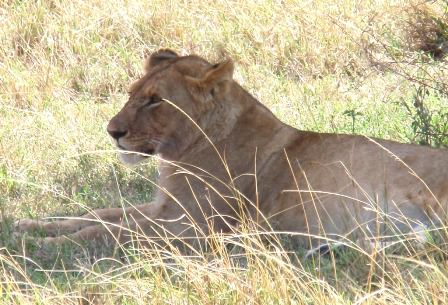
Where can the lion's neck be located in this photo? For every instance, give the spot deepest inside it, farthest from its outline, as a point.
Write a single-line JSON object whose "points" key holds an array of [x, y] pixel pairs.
{"points": [[240, 125], [245, 135]]}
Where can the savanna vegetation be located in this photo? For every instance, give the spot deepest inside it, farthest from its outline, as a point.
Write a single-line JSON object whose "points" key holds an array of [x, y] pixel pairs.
{"points": [[377, 68]]}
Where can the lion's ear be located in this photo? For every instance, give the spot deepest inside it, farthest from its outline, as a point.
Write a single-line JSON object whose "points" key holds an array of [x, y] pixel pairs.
{"points": [[157, 57], [219, 77]]}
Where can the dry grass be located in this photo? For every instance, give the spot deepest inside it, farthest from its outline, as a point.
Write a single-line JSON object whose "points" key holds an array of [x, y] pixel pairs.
{"points": [[337, 66]]}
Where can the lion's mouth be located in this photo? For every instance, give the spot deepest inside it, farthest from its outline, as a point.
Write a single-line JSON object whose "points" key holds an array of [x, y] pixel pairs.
{"points": [[143, 152], [149, 151]]}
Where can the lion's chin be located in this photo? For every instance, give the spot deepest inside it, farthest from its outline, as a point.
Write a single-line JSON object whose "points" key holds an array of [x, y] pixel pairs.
{"points": [[130, 158]]}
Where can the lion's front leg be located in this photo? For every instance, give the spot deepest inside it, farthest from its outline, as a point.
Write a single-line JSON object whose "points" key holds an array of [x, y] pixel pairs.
{"points": [[74, 224], [142, 230]]}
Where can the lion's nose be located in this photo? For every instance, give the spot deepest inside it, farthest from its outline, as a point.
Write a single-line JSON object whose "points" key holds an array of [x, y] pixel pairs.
{"points": [[116, 132]]}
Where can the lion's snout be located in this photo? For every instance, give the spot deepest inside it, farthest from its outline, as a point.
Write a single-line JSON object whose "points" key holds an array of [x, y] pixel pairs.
{"points": [[115, 129]]}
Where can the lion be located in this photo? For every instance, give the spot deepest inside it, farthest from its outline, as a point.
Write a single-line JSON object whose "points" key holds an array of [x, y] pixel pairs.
{"points": [[224, 158]]}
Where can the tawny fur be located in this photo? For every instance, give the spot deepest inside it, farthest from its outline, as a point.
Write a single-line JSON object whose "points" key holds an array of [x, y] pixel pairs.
{"points": [[284, 179]]}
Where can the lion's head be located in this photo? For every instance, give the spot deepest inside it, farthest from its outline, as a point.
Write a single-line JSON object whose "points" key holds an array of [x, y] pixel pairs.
{"points": [[173, 91]]}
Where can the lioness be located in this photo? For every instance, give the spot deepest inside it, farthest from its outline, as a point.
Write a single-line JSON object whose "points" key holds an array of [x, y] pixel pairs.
{"points": [[225, 155]]}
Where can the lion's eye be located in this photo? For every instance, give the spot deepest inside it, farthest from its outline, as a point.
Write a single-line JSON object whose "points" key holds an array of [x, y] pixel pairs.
{"points": [[152, 101]]}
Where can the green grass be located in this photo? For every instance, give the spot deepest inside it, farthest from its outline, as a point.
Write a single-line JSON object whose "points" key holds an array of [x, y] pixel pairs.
{"points": [[342, 66]]}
